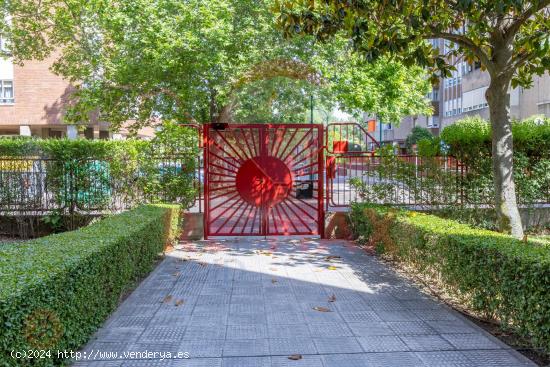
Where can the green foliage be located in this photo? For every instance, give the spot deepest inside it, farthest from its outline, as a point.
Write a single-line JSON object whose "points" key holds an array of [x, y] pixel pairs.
{"points": [[88, 174], [385, 87], [57, 290], [199, 61], [429, 147], [470, 141], [469, 138], [416, 135], [401, 29], [495, 274], [417, 180], [65, 149]]}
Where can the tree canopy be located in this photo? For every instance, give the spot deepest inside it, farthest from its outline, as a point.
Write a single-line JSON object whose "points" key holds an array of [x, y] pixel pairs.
{"points": [[509, 38], [199, 61]]}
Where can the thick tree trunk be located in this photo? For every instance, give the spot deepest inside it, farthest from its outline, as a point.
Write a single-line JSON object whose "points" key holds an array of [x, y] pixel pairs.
{"points": [[509, 219]]}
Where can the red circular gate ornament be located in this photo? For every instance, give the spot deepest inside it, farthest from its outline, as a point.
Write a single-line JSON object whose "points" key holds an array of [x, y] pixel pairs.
{"points": [[264, 181]]}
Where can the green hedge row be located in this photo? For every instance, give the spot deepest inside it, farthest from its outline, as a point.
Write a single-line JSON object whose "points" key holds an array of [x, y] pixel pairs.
{"points": [[470, 138], [71, 149], [499, 276], [57, 290]]}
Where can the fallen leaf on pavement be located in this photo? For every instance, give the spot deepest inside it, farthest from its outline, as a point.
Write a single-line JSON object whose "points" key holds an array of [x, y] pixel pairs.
{"points": [[167, 299], [332, 268], [179, 302], [321, 309], [295, 357], [202, 263], [332, 298], [274, 280], [177, 273], [332, 257]]}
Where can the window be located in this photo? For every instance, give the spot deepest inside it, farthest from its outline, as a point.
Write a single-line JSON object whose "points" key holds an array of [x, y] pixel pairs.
{"points": [[6, 92], [3, 45]]}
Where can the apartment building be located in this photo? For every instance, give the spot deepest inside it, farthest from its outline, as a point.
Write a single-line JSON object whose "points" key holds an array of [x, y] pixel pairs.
{"points": [[33, 101], [463, 94]]}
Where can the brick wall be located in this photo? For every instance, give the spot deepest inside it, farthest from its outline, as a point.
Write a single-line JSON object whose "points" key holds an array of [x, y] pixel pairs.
{"points": [[39, 97]]}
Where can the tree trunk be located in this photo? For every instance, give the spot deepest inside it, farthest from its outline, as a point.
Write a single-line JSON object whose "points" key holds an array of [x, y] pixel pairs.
{"points": [[509, 219]]}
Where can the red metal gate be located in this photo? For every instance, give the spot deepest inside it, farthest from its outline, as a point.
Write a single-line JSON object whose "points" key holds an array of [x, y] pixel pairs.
{"points": [[263, 180]]}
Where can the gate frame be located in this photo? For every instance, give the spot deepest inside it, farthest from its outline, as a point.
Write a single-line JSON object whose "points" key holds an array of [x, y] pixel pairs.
{"points": [[320, 176]]}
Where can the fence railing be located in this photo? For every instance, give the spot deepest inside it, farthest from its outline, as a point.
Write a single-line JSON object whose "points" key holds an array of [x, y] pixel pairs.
{"points": [[411, 180], [34, 185]]}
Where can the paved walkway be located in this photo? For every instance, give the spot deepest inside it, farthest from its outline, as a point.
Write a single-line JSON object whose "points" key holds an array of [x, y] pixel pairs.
{"points": [[257, 302]]}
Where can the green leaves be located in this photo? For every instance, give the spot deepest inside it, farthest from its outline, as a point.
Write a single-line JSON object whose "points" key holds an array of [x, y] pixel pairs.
{"points": [[57, 290], [142, 60]]}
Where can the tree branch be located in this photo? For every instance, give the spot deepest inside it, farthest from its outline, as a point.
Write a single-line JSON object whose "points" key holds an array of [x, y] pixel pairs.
{"points": [[465, 42], [524, 17]]}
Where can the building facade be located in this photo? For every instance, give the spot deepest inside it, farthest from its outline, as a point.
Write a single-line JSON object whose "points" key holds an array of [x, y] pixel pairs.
{"points": [[33, 101], [463, 94]]}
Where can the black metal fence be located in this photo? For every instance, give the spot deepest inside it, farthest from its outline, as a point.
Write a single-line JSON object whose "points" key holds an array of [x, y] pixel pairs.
{"points": [[34, 186], [415, 181]]}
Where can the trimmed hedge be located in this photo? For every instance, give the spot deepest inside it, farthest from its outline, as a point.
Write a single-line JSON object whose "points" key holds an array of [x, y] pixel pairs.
{"points": [[57, 290], [496, 274], [470, 138]]}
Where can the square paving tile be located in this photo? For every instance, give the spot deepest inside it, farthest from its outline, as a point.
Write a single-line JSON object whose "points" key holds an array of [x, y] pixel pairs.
{"points": [[329, 329], [246, 362], [248, 319], [289, 346], [370, 328], [382, 343], [246, 331], [397, 315], [201, 362], [285, 318], [205, 331], [411, 327], [445, 359], [245, 348], [360, 316], [471, 341], [306, 361], [130, 321], [198, 348], [288, 331], [97, 364], [397, 359], [438, 314], [162, 334], [456, 326], [426, 342], [147, 363], [337, 345], [116, 334], [347, 360], [496, 358]]}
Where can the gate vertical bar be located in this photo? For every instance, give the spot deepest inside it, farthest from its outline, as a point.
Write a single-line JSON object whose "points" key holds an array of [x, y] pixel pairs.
{"points": [[264, 212], [320, 180], [206, 159]]}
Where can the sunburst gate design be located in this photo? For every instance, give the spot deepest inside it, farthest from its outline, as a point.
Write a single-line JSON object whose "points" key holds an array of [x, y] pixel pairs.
{"points": [[264, 180]]}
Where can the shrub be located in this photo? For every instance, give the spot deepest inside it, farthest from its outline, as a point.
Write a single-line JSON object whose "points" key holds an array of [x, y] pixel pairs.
{"points": [[57, 290], [470, 138], [417, 134], [497, 275], [470, 141], [95, 174]]}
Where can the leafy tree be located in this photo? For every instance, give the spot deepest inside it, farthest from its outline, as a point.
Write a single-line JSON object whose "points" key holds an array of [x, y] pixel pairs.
{"points": [[195, 60], [508, 37], [417, 134]]}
